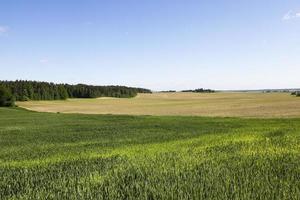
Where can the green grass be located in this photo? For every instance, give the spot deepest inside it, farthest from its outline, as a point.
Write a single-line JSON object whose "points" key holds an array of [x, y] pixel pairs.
{"points": [[76, 156]]}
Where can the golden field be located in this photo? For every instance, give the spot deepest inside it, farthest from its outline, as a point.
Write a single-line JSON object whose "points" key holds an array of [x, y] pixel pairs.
{"points": [[221, 104]]}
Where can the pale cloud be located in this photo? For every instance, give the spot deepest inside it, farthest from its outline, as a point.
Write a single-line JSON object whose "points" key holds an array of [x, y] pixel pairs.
{"points": [[44, 60], [264, 43], [291, 15], [3, 29], [88, 23]]}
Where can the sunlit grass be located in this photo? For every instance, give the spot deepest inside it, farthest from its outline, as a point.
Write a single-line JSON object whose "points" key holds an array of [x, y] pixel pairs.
{"points": [[72, 156]]}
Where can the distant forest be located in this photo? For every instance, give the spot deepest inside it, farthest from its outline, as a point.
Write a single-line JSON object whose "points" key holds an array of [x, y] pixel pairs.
{"points": [[34, 90], [296, 93], [200, 90]]}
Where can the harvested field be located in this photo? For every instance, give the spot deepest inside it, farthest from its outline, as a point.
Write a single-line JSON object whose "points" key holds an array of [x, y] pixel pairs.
{"points": [[216, 104]]}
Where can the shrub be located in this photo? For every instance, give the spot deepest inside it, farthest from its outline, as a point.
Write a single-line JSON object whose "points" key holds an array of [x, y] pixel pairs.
{"points": [[6, 98]]}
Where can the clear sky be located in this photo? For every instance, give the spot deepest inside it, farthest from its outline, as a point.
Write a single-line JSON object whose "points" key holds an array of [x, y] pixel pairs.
{"points": [[157, 44]]}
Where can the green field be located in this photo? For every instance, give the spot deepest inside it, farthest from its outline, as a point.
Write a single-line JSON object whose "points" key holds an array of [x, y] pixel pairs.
{"points": [[77, 156]]}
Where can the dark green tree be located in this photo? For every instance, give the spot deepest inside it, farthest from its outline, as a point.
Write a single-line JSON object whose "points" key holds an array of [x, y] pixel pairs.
{"points": [[33, 90], [6, 98], [62, 92]]}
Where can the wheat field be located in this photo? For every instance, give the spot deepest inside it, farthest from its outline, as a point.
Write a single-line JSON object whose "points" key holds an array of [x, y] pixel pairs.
{"points": [[266, 105], [80, 156]]}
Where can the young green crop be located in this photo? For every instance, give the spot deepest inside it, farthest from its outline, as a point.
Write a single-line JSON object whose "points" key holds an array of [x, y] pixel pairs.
{"points": [[73, 156]]}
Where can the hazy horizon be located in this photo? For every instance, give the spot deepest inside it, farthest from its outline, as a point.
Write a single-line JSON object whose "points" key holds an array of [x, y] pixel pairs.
{"points": [[160, 45]]}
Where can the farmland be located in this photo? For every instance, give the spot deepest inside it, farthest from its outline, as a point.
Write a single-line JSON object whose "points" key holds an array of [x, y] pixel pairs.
{"points": [[266, 105], [149, 100], [80, 156]]}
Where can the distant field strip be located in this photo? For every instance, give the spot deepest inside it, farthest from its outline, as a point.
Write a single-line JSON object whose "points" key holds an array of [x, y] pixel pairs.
{"points": [[217, 104]]}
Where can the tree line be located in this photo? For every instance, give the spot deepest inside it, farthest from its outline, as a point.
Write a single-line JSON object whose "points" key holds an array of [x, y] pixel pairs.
{"points": [[23, 90], [296, 93], [200, 90]]}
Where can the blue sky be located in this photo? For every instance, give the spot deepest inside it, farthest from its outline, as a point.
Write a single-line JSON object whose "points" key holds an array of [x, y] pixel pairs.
{"points": [[157, 44]]}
